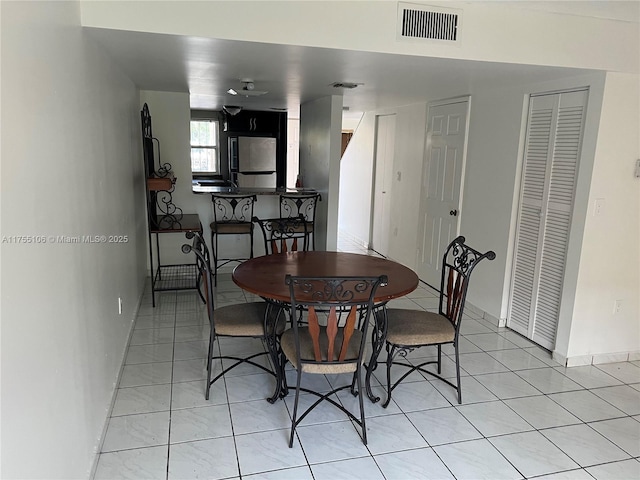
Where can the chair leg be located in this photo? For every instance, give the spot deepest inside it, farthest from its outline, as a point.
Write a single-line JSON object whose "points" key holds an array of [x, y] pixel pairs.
{"points": [[389, 362], [272, 346], [251, 243], [285, 387], [362, 419], [214, 251], [295, 408], [455, 347], [439, 359], [209, 361], [354, 392]]}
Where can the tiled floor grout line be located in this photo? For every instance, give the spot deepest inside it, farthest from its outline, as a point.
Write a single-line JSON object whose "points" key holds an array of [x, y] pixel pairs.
{"points": [[173, 363]]}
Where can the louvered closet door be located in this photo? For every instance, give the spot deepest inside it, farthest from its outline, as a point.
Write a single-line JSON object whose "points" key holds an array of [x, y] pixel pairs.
{"points": [[553, 142]]}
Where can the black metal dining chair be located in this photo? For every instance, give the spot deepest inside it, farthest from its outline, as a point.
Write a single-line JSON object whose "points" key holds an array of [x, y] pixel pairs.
{"points": [[292, 205], [408, 329], [282, 235], [232, 214], [243, 320], [333, 344]]}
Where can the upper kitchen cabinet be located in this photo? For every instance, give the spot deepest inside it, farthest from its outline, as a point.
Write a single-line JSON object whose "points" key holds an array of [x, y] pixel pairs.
{"points": [[249, 122]]}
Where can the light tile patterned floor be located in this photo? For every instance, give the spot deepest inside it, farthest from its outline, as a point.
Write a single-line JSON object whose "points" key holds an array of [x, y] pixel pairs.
{"points": [[523, 415]]}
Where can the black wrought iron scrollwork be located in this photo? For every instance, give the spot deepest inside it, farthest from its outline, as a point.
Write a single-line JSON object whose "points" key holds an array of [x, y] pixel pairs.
{"points": [[464, 258], [171, 215], [162, 212], [228, 208], [330, 290], [164, 170], [378, 335]]}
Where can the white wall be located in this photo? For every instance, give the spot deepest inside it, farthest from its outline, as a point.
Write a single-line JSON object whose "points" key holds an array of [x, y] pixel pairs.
{"points": [[406, 181], [356, 177], [71, 165], [610, 258], [490, 31], [490, 196], [320, 145]]}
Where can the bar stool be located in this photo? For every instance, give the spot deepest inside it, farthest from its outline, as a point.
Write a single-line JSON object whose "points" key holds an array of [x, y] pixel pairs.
{"points": [[232, 214], [292, 205]]}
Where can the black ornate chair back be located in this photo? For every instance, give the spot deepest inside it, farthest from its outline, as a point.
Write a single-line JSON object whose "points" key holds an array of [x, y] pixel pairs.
{"points": [[284, 234], [458, 263], [233, 208], [232, 215], [295, 204]]}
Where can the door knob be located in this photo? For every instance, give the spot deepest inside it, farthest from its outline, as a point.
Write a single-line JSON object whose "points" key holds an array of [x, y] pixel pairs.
{"points": [[453, 213]]}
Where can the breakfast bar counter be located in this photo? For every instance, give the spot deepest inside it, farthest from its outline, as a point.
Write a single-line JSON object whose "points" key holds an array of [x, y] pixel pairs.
{"points": [[248, 190]]}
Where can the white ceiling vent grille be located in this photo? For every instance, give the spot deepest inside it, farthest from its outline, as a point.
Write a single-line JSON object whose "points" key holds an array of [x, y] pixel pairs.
{"points": [[424, 22]]}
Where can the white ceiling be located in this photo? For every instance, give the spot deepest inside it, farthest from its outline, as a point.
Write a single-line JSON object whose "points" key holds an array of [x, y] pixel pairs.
{"points": [[292, 75]]}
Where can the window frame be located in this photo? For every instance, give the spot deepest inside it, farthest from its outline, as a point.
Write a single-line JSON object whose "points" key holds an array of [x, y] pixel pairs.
{"points": [[215, 148]]}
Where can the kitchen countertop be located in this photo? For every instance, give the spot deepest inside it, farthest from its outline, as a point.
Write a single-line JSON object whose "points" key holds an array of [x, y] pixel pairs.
{"points": [[249, 190]]}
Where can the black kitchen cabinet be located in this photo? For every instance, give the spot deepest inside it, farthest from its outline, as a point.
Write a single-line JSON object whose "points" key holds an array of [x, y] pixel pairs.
{"points": [[255, 123], [249, 123]]}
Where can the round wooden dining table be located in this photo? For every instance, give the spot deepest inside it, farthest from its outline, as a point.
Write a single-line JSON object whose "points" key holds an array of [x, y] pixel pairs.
{"points": [[265, 276]]}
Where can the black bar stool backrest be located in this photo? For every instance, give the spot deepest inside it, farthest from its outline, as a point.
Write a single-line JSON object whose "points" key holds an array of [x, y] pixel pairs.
{"points": [[231, 208]]}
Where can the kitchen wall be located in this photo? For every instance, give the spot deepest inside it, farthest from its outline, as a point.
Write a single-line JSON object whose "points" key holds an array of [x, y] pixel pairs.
{"points": [[71, 166], [170, 117]]}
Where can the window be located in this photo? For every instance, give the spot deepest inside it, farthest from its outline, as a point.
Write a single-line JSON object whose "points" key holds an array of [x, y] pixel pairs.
{"points": [[204, 147]]}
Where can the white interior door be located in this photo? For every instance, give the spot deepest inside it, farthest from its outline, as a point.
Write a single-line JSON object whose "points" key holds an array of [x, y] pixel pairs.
{"points": [[552, 151], [381, 221], [441, 179]]}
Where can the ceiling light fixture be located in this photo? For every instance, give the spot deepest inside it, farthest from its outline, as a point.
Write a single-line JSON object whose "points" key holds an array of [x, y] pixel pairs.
{"points": [[247, 90], [231, 109], [348, 85]]}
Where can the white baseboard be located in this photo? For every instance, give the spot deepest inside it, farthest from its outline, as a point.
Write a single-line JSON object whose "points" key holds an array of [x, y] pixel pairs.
{"points": [[353, 238], [499, 322], [610, 358], [575, 361], [634, 356], [598, 359]]}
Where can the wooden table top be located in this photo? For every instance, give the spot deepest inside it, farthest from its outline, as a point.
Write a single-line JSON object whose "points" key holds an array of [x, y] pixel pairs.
{"points": [[264, 276]]}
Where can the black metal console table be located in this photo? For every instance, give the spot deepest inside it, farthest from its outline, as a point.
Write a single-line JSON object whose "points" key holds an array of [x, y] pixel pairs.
{"points": [[163, 216], [173, 277]]}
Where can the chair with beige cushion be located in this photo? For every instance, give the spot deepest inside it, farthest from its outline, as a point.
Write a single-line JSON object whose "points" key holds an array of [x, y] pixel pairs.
{"points": [[244, 320], [408, 330], [332, 341], [232, 214]]}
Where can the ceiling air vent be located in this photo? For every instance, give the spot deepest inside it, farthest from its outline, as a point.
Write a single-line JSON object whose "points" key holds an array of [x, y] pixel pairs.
{"points": [[424, 22], [348, 85]]}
